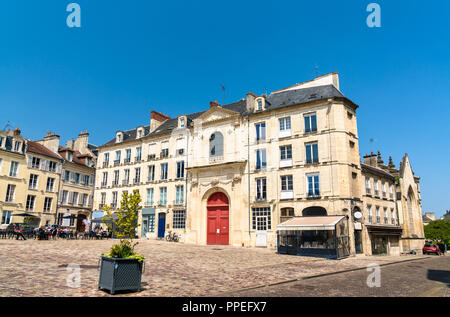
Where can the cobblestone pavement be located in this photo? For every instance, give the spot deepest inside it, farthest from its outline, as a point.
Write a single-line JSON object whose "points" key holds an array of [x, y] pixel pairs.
{"points": [[421, 278], [39, 268]]}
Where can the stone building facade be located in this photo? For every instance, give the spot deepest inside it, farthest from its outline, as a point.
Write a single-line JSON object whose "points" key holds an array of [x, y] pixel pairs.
{"points": [[232, 173], [13, 175], [35, 179]]}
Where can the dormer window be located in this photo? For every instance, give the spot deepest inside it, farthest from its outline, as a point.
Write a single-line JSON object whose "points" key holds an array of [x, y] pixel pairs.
{"points": [[260, 104], [182, 122], [69, 156], [140, 132], [119, 137]]}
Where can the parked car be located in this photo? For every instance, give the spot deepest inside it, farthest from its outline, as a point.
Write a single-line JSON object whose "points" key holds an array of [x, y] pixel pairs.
{"points": [[431, 248]]}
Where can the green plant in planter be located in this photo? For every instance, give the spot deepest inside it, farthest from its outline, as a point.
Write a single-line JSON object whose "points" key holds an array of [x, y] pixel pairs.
{"points": [[124, 227]]}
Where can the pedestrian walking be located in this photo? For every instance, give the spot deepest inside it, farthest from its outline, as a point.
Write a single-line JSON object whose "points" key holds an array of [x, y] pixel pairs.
{"points": [[441, 248]]}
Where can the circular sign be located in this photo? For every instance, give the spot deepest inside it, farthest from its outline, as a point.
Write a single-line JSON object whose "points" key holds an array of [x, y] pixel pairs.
{"points": [[357, 215]]}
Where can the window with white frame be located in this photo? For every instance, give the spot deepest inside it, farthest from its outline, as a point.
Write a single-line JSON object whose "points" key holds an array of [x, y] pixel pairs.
{"points": [[35, 162], [29, 206], [262, 212], [10, 190], [137, 174], [179, 195], [116, 178], [180, 169], [259, 105], [105, 179], [102, 199], [52, 166], [138, 154], [261, 162], [377, 212], [69, 156], [179, 219], [285, 152], [393, 217], [162, 196], [383, 187], [285, 127], [376, 187], [126, 177], [76, 178], [287, 183], [261, 188], [64, 196], [368, 187], [313, 185], [47, 204], [66, 176], [13, 169], [164, 171], [114, 199], [6, 217], [117, 160], [151, 173], [150, 196], [33, 184], [260, 131], [128, 156], [391, 191], [312, 153], [50, 184], [105, 159], [84, 199], [369, 214], [17, 146], [310, 123]]}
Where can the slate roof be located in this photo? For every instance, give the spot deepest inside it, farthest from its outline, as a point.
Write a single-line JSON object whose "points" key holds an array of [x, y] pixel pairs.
{"points": [[273, 101], [376, 171]]}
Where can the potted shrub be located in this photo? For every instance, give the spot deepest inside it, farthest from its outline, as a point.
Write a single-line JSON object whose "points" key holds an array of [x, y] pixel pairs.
{"points": [[121, 268]]}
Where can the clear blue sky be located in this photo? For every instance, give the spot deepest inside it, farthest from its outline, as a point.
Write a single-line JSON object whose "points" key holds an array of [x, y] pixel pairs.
{"points": [[130, 57]]}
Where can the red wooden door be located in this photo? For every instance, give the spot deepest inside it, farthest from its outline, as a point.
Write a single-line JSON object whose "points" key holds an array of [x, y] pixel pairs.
{"points": [[218, 219]]}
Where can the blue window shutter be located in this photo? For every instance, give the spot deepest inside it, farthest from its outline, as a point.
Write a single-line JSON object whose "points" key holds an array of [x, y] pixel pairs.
{"points": [[313, 123], [307, 125], [315, 153], [316, 185], [308, 153], [257, 132], [310, 185], [258, 159]]}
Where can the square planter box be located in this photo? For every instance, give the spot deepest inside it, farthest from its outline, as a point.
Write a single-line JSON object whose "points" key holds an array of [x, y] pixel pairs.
{"points": [[120, 274]]}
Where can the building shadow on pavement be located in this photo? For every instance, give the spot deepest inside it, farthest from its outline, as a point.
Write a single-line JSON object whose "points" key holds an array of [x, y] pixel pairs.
{"points": [[439, 276]]}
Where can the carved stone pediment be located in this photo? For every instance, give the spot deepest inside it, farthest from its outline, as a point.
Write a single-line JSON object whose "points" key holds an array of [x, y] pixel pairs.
{"points": [[215, 114]]}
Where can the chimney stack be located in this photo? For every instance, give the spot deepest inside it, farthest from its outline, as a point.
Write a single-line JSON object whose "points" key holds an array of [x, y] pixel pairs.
{"points": [[156, 119]]}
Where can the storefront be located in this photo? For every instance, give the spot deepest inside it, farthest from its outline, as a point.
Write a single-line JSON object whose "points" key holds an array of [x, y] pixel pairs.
{"points": [[148, 222], [323, 236], [384, 240]]}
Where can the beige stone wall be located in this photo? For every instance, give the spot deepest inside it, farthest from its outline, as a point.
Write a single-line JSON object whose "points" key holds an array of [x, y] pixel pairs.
{"points": [[20, 181], [41, 193]]}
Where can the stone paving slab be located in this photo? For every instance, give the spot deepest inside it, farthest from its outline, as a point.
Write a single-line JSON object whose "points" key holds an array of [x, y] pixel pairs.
{"points": [[39, 268]]}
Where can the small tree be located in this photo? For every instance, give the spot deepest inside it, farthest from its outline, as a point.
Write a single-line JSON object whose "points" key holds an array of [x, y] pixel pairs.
{"points": [[438, 230], [124, 225]]}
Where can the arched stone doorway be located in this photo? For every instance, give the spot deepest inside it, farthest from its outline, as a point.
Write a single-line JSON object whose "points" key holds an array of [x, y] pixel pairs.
{"points": [[81, 227], [217, 219], [314, 211]]}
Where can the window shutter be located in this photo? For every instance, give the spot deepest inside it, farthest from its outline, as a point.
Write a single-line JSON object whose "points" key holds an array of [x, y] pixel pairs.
{"points": [[70, 196], [72, 176], [59, 168], [30, 160]]}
